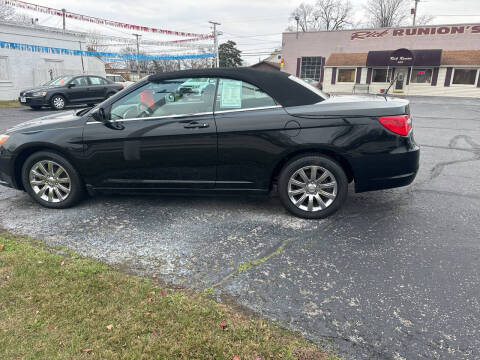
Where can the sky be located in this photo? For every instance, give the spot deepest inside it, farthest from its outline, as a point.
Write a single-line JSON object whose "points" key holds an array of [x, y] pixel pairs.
{"points": [[255, 25]]}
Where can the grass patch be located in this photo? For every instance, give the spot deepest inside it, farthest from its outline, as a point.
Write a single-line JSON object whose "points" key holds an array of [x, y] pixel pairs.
{"points": [[9, 104], [66, 306]]}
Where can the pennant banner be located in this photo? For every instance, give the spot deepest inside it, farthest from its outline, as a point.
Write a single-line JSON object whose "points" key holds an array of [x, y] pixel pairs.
{"points": [[95, 20], [174, 43], [105, 55]]}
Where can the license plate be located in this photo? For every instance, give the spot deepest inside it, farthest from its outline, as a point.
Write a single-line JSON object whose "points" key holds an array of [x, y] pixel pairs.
{"points": [[23, 99]]}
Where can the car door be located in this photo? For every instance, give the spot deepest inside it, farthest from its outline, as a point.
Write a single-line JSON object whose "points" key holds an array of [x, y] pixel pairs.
{"points": [[252, 133], [78, 90], [98, 88], [161, 136]]}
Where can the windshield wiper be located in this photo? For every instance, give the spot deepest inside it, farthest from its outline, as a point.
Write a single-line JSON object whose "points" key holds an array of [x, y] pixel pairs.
{"points": [[83, 111]]}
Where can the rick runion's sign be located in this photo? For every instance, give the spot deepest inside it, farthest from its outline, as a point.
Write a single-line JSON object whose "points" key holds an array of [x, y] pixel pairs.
{"points": [[417, 31]]}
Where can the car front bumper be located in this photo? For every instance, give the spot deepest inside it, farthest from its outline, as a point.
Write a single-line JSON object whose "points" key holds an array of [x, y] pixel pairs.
{"points": [[6, 170], [33, 101]]}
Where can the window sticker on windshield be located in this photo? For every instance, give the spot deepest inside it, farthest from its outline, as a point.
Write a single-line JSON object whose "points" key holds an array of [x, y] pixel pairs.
{"points": [[231, 94]]}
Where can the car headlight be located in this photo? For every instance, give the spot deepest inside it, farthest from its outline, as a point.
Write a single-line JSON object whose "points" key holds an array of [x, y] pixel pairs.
{"points": [[3, 138], [39, 93]]}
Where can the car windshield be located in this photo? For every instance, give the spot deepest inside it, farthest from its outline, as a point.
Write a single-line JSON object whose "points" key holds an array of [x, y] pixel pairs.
{"points": [[46, 83], [61, 80], [309, 87]]}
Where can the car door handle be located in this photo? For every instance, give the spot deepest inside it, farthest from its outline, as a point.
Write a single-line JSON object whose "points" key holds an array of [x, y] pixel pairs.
{"points": [[195, 125]]}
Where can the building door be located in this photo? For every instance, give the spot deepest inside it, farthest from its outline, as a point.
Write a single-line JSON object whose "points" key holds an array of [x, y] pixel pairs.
{"points": [[401, 80]]}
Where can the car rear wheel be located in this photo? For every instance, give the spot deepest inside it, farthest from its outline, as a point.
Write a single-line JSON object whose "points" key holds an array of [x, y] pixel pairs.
{"points": [[51, 180], [58, 102], [312, 186]]}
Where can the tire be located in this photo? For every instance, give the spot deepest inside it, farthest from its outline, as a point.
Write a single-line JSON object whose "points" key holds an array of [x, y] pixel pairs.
{"points": [[58, 102], [36, 107], [331, 186], [35, 184]]}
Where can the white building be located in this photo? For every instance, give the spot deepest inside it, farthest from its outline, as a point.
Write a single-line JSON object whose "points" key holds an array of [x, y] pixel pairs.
{"points": [[22, 68]]}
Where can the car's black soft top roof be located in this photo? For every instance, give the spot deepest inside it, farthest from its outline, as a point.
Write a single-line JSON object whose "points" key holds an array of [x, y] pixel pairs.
{"points": [[275, 83]]}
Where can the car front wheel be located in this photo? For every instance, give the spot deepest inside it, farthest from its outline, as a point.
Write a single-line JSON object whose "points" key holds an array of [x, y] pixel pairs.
{"points": [[312, 186], [58, 102], [51, 180]]}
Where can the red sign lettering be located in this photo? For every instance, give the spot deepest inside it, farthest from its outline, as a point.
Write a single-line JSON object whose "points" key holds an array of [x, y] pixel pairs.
{"points": [[416, 31]]}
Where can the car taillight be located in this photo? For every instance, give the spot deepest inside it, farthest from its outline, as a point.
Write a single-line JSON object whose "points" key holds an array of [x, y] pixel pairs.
{"points": [[400, 124], [123, 86]]}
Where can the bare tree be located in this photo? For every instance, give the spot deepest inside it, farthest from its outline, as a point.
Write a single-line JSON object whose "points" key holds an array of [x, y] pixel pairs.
{"points": [[96, 42], [7, 13], [161, 66], [305, 15], [424, 20], [334, 14], [387, 13], [324, 15]]}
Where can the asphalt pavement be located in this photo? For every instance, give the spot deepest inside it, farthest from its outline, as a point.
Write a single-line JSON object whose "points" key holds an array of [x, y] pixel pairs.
{"points": [[394, 275]]}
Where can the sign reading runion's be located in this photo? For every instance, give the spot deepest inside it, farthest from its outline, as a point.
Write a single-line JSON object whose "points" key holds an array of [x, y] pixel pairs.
{"points": [[416, 31]]}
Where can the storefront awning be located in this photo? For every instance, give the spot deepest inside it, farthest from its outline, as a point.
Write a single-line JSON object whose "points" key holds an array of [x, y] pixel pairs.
{"points": [[404, 57]]}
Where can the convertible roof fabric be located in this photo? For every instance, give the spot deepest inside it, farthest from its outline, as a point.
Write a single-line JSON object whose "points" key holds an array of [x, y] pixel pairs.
{"points": [[275, 83]]}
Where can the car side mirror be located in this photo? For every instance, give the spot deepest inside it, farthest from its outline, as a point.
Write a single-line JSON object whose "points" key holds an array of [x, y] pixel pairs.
{"points": [[71, 85], [99, 115]]}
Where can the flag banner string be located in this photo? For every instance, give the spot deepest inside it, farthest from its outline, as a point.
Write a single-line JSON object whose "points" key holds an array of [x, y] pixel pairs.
{"points": [[175, 43], [91, 19], [111, 56]]}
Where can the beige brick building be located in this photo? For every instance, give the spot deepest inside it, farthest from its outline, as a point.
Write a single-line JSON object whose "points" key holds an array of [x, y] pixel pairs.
{"points": [[441, 60]]}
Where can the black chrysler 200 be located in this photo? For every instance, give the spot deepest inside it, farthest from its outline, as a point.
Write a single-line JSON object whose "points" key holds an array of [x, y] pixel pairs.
{"points": [[69, 90], [216, 131]]}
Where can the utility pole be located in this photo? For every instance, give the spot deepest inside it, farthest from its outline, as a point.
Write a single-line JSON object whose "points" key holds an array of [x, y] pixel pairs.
{"points": [[297, 19], [63, 15], [415, 12], [137, 36], [215, 42]]}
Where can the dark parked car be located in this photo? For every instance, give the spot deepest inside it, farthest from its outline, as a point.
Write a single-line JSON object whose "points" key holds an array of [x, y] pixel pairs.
{"points": [[217, 131], [65, 90]]}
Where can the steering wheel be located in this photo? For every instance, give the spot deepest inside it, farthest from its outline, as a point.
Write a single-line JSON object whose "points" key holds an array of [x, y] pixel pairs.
{"points": [[143, 110]]}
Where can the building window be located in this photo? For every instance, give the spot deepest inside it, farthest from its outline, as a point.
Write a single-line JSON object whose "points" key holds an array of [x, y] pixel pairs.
{"points": [[4, 73], [381, 76], [346, 75], [421, 76], [464, 77], [312, 67]]}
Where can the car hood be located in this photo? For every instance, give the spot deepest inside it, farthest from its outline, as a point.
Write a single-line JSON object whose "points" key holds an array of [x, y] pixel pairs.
{"points": [[54, 121], [352, 105], [40, 88]]}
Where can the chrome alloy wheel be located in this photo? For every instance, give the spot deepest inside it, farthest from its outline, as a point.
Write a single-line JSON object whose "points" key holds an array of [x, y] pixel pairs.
{"points": [[50, 181], [312, 188], [58, 102]]}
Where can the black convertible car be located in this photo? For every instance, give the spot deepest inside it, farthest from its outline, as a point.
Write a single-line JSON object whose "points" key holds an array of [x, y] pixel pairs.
{"points": [[217, 131], [69, 90]]}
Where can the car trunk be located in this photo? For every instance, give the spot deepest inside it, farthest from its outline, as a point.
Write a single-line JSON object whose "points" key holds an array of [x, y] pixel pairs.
{"points": [[352, 106]]}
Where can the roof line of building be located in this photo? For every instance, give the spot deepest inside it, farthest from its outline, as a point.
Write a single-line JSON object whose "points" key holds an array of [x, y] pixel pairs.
{"points": [[45, 28], [385, 28]]}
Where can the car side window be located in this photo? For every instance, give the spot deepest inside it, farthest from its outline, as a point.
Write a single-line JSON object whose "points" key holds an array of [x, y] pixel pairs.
{"points": [[80, 81], [167, 98], [97, 81], [236, 94]]}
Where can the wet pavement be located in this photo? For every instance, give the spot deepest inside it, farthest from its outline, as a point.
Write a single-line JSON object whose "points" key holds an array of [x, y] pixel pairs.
{"points": [[394, 275]]}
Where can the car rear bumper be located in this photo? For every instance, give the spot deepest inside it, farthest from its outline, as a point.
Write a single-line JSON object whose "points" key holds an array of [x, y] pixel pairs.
{"points": [[384, 171]]}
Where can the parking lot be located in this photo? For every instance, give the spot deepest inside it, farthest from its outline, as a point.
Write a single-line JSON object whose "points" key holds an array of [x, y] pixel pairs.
{"points": [[394, 275]]}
